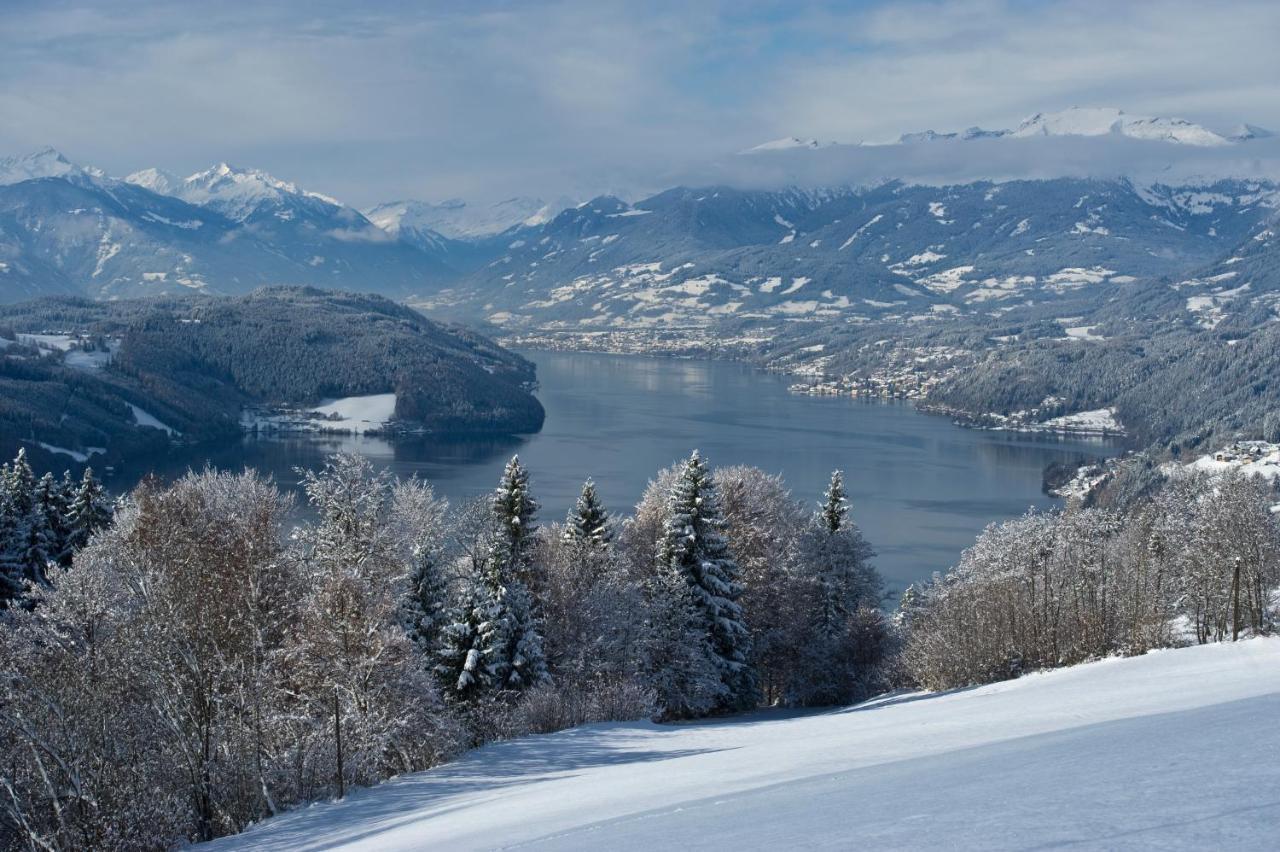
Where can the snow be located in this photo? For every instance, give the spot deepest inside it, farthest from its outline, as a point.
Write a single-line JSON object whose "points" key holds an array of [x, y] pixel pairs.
{"points": [[75, 454], [1254, 458], [56, 342], [359, 413], [142, 418], [923, 258], [459, 219], [1096, 422], [1102, 121], [1101, 755], [44, 163], [1082, 332], [858, 233], [189, 225], [785, 144]]}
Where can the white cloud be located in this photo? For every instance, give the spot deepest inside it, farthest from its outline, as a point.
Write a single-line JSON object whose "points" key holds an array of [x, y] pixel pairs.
{"points": [[492, 99]]}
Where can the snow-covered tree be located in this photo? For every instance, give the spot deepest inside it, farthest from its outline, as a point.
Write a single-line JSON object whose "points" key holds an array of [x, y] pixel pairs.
{"points": [[26, 538], [588, 520], [493, 641], [693, 548], [838, 559], [418, 524], [88, 510]]}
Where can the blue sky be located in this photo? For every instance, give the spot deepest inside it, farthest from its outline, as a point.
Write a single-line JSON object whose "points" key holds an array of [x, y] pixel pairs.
{"points": [[376, 101]]}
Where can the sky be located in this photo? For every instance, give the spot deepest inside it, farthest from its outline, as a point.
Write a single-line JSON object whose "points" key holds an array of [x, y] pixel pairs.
{"points": [[378, 101]]}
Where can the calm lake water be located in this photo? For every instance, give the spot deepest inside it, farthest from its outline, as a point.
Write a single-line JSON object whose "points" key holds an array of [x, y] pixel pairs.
{"points": [[920, 487]]}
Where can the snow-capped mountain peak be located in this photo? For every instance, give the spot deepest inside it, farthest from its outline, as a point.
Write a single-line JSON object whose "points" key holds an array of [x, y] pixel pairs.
{"points": [[44, 163], [785, 144], [156, 180], [459, 220], [1101, 121], [241, 189]]}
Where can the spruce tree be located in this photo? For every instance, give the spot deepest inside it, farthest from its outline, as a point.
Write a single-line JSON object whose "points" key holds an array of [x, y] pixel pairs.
{"points": [[88, 511], [840, 558], [51, 503], [834, 504], [428, 601], [32, 526], [493, 640], [12, 540], [515, 515], [693, 548], [588, 521], [835, 559]]}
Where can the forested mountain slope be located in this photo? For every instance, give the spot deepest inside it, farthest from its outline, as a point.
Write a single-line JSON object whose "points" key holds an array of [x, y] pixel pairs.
{"points": [[75, 372]]}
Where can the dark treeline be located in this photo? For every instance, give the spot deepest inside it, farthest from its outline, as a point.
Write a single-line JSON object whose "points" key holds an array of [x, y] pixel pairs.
{"points": [[43, 522], [188, 672]]}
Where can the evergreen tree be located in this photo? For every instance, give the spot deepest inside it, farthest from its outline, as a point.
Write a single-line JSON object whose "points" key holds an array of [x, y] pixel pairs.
{"points": [[493, 641], [834, 504], [693, 548], [835, 559], [12, 539], [839, 558], [24, 554], [51, 503], [428, 600], [588, 521], [88, 511]]}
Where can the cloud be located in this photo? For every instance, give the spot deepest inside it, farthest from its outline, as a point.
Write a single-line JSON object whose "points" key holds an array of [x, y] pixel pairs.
{"points": [[492, 99]]}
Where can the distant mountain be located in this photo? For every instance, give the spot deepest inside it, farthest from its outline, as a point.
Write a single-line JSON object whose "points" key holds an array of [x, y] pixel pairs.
{"points": [[1076, 121], [1100, 122], [716, 257], [785, 144], [44, 163], [456, 219], [69, 229], [109, 380]]}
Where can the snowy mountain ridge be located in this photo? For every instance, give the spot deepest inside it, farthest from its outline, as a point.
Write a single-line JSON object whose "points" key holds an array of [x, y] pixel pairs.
{"points": [[235, 192], [1096, 755], [456, 219], [1074, 121], [44, 163]]}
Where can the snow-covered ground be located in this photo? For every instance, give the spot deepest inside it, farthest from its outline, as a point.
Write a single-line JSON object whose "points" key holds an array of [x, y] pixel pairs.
{"points": [[1101, 421], [354, 415], [143, 418], [1258, 458], [1175, 749]]}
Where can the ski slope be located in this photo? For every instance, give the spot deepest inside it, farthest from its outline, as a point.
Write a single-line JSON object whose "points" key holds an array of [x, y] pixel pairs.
{"points": [[1175, 749]]}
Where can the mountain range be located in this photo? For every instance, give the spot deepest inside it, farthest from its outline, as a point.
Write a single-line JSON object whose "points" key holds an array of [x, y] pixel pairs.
{"points": [[718, 255]]}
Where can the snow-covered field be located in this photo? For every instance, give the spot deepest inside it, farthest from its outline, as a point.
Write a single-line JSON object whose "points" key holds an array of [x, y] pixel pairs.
{"points": [[1176, 749], [360, 413], [354, 415]]}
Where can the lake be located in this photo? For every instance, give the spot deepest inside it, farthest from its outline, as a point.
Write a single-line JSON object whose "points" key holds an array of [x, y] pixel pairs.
{"points": [[920, 487]]}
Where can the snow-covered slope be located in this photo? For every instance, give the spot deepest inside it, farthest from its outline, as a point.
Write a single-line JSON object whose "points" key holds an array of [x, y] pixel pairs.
{"points": [[1176, 749]]}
